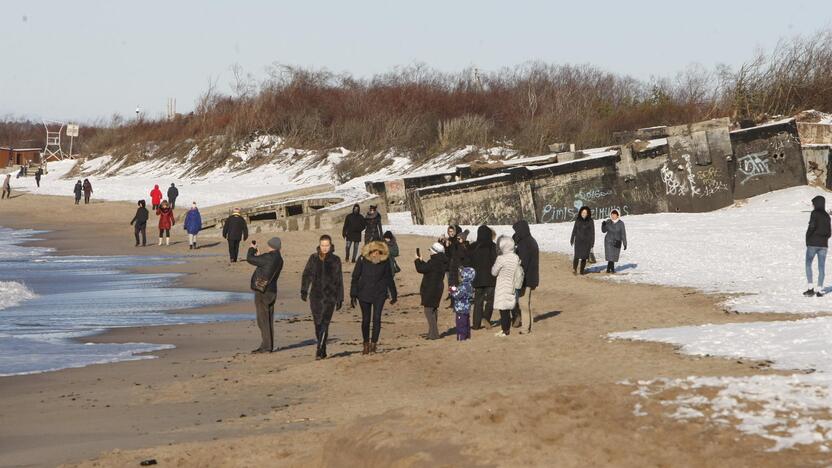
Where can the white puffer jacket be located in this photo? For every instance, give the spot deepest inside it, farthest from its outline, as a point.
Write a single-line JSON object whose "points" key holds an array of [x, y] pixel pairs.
{"points": [[505, 267]]}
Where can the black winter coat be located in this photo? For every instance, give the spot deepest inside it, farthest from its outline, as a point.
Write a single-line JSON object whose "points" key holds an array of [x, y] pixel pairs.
{"points": [[141, 216], [433, 284], [583, 237], [817, 235], [529, 254], [78, 189], [373, 230], [235, 228], [322, 280], [173, 193], [373, 276], [269, 265], [354, 225], [481, 257]]}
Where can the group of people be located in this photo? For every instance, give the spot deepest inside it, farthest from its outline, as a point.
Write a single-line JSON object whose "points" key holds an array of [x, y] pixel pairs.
{"points": [[83, 188], [24, 171], [167, 219]]}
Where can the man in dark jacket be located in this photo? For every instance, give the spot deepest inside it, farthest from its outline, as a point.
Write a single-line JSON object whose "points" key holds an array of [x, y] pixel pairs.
{"points": [[268, 269], [529, 254], [173, 193], [432, 286], [139, 224], [373, 225], [354, 225], [372, 279], [481, 256], [323, 284], [78, 190], [817, 242], [235, 229], [38, 175]]}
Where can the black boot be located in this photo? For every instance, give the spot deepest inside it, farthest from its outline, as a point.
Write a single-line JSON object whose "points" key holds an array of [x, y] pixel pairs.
{"points": [[809, 292]]}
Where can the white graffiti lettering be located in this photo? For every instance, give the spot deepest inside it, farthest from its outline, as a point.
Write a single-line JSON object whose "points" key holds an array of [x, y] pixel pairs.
{"points": [[754, 165]]}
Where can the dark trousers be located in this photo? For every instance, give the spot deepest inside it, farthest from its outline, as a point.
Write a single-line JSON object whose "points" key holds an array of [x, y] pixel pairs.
{"points": [[264, 304], [140, 230], [233, 249], [156, 207], [37, 181], [172, 203], [463, 327], [431, 314], [483, 306], [575, 264], [368, 310], [322, 316], [354, 246], [77, 199], [610, 267], [86, 198], [505, 320]]}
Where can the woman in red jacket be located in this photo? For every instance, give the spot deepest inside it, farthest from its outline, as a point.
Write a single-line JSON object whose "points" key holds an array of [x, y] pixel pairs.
{"points": [[155, 197], [166, 221]]}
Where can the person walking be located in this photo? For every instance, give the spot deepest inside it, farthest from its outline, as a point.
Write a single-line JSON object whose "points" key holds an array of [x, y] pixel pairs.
{"points": [[463, 295], [451, 243], [38, 175], [193, 224], [372, 280], [87, 191], [615, 239], [173, 194], [393, 246], [323, 285], [264, 284], [234, 229], [481, 257], [139, 223], [155, 197], [373, 228], [354, 225], [433, 276], [166, 222], [7, 187], [583, 238], [507, 269], [78, 190], [529, 253], [817, 243]]}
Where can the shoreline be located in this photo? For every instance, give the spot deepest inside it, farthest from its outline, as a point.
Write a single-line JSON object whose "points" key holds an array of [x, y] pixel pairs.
{"points": [[208, 401]]}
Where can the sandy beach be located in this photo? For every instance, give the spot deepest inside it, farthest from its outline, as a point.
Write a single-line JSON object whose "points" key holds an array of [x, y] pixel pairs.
{"points": [[552, 398]]}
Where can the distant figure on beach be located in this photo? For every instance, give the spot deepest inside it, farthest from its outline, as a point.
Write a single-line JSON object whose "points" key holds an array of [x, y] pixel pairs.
{"points": [[354, 225], [583, 238], [463, 295], [166, 221], [817, 243], [155, 197], [393, 246], [264, 285], [139, 223], [529, 253], [323, 285], [87, 191], [173, 194], [79, 189], [615, 239], [453, 250], [234, 229], [193, 224], [508, 271], [433, 276], [374, 229], [38, 175], [372, 279], [7, 187], [481, 256]]}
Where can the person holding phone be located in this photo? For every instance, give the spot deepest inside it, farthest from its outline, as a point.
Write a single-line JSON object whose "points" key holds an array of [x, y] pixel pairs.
{"points": [[615, 239], [264, 284], [433, 276]]}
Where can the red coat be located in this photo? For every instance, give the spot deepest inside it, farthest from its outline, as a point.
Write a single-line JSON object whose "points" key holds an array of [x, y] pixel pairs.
{"points": [[166, 220], [156, 195]]}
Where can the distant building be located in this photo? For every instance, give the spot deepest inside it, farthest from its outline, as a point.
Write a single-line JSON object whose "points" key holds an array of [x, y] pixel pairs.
{"points": [[11, 156]]}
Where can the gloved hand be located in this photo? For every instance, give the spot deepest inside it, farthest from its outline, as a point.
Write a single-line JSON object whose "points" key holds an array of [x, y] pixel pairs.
{"points": [[394, 300], [353, 300], [338, 305], [303, 296]]}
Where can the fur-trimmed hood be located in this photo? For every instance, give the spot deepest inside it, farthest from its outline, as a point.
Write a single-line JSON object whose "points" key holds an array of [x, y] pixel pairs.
{"points": [[373, 246]]}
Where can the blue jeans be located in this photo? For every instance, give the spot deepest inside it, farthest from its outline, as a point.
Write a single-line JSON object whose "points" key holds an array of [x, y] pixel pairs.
{"points": [[810, 255], [354, 246]]}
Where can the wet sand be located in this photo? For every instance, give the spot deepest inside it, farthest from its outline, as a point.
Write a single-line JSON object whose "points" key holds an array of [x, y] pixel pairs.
{"points": [[551, 398]]}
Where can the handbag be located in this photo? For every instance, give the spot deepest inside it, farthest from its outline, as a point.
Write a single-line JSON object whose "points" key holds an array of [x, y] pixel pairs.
{"points": [[261, 284], [616, 244]]}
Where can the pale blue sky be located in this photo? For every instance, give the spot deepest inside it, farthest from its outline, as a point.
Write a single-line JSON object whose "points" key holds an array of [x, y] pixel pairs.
{"points": [[78, 60]]}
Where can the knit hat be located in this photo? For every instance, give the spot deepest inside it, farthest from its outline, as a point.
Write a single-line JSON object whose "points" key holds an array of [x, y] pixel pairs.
{"points": [[274, 243], [437, 248]]}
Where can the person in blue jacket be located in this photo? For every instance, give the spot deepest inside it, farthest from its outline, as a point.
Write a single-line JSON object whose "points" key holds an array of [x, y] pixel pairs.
{"points": [[193, 224]]}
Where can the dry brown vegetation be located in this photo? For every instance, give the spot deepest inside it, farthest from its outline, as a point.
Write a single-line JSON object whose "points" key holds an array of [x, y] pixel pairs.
{"points": [[423, 111]]}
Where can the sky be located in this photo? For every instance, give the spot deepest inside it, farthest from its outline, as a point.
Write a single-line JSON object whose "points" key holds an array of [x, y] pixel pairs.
{"points": [[83, 60]]}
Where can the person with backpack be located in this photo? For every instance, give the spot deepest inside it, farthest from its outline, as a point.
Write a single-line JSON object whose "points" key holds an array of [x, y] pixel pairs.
{"points": [[87, 191], [583, 238], [614, 240], [78, 190], [264, 284], [173, 194], [433, 276], [481, 257], [155, 197], [354, 225], [166, 222], [323, 285], [235, 230], [139, 223], [509, 275], [372, 279], [817, 244], [193, 224]]}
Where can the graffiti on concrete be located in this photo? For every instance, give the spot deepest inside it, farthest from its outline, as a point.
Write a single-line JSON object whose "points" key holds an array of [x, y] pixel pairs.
{"points": [[711, 182], [754, 165], [700, 184], [558, 214], [593, 194]]}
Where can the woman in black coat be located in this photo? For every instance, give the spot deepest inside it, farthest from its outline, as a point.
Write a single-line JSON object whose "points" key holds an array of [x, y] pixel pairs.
{"points": [[583, 238], [432, 286], [481, 256], [323, 285], [371, 281]]}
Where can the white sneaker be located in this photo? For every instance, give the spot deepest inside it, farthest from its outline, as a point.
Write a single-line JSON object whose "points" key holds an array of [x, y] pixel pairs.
{"points": [[500, 334]]}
